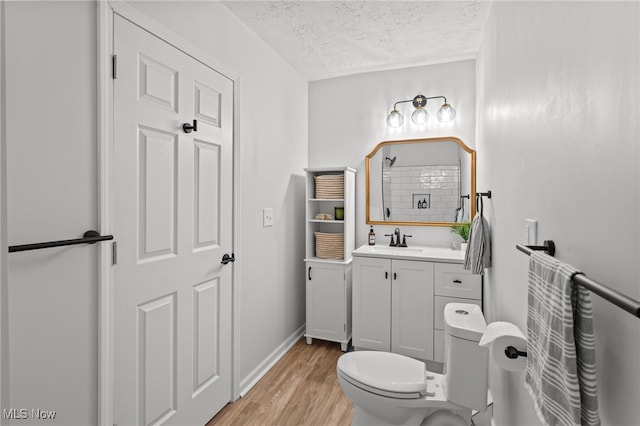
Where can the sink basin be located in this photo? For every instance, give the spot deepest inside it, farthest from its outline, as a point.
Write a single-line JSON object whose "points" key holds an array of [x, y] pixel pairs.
{"points": [[438, 254], [395, 250]]}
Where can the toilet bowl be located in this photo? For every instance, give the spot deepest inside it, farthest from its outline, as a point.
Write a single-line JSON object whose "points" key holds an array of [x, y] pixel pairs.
{"points": [[392, 389]]}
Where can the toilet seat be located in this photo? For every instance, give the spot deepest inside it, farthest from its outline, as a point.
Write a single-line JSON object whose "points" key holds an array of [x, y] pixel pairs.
{"points": [[384, 373]]}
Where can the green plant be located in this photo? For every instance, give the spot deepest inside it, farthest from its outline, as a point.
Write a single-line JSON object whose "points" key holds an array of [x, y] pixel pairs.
{"points": [[463, 229]]}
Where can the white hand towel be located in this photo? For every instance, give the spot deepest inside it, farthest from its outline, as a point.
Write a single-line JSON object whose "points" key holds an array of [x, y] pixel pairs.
{"points": [[561, 368], [478, 254]]}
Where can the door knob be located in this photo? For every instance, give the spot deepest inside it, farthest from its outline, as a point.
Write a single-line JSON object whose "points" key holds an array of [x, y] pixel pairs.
{"points": [[188, 127], [226, 258]]}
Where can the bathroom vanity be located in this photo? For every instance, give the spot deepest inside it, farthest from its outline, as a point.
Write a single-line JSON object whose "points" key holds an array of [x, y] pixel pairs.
{"points": [[399, 295]]}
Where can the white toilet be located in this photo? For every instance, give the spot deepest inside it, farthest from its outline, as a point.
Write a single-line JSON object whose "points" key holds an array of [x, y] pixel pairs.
{"points": [[392, 389]]}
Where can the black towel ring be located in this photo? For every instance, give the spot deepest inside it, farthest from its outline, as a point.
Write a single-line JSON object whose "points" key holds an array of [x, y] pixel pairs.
{"points": [[480, 204]]}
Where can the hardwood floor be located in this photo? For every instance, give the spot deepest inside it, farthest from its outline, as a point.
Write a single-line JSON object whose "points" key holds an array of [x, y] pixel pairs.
{"points": [[301, 389]]}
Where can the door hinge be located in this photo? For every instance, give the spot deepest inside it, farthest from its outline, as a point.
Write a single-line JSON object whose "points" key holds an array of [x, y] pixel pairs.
{"points": [[114, 66], [345, 327], [114, 253]]}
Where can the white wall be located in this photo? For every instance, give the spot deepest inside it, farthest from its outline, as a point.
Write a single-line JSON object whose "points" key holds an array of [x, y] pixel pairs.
{"points": [[51, 183], [347, 119], [558, 108], [4, 311], [53, 180]]}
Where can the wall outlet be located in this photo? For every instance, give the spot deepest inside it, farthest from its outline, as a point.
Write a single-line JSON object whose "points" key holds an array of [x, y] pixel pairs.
{"points": [[267, 217], [531, 232]]}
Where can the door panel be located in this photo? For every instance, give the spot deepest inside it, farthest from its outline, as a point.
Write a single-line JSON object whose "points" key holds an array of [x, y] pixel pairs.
{"points": [[207, 184], [157, 360], [206, 321], [207, 101], [157, 204], [158, 83], [173, 223]]}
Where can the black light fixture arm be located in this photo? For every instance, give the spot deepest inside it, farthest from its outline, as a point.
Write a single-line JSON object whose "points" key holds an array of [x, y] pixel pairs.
{"points": [[419, 100], [401, 102]]}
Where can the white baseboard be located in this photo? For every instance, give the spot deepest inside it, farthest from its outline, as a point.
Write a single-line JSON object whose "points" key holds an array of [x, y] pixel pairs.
{"points": [[258, 373]]}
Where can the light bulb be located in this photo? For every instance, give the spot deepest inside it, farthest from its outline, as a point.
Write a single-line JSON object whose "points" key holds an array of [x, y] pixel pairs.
{"points": [[420, 116], [395, 119], [446, 113]]}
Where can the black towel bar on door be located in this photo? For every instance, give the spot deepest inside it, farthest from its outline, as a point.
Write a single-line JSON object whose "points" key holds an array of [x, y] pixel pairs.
{"points": [[89, 237], [620, 300]]}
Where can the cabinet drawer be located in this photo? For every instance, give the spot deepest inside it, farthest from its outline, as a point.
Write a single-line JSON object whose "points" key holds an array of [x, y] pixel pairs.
{"points": [[451, 279], [439, 303]]}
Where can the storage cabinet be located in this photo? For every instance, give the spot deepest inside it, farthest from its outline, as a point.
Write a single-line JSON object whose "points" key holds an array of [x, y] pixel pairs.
{"points": [[398, 304], [393, 306], [329, 302], [328, 264]]}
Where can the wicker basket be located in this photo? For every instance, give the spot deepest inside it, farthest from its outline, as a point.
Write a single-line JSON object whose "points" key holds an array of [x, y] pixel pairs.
{"points": [[329, 186], [329, 245]]}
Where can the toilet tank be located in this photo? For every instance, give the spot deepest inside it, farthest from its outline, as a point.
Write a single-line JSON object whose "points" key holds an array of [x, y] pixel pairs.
{"points": [[466, 364]]}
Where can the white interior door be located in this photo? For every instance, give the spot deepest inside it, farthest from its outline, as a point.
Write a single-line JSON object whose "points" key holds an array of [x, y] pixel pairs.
{"points": [[172, 223]]}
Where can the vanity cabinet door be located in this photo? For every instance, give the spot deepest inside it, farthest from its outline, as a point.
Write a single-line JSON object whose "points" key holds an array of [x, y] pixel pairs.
{"points": [[372, 303], [412, 309]]}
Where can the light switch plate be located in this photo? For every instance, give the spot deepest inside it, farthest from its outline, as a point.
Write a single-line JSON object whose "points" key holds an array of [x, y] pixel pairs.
{"points": [[267, 217], [531, 229]]}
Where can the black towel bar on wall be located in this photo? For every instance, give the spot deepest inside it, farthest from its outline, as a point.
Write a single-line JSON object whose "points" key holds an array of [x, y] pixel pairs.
{"points": [[89, 237], [621, 300]]}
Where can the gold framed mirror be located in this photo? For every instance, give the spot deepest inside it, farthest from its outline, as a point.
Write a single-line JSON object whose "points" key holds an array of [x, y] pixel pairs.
{"points": [[426, 182]]}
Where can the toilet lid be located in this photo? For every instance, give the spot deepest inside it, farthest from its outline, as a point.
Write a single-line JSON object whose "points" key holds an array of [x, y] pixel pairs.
{"points": [[385, 371]]}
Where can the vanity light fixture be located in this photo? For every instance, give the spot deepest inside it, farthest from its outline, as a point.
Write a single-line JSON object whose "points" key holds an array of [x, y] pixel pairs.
{"points": [[420, 116]]}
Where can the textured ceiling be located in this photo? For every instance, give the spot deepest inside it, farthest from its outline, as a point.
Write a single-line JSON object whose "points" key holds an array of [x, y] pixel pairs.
{"points": [[323, 39]]}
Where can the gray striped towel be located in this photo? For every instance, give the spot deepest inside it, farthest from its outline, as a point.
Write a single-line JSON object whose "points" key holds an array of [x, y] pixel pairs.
{"points": [[561, 365], [478, 254]]}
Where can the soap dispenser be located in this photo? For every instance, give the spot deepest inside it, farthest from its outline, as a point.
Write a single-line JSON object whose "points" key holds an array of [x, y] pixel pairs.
{"points": [[372, 237]]}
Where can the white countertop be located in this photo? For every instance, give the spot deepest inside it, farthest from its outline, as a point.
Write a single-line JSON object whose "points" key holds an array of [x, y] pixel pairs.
{"points": [[432, 254]]}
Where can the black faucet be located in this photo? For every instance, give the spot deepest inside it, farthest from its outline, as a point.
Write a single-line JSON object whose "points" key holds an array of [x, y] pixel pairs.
{"points": [[396, 232], [392, 243], [404, 240], [395, 239], [395, 242]]}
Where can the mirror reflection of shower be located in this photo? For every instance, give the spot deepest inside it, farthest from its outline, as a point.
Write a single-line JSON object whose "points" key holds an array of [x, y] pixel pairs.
{"points": [[422, 188], [386, 185]]}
